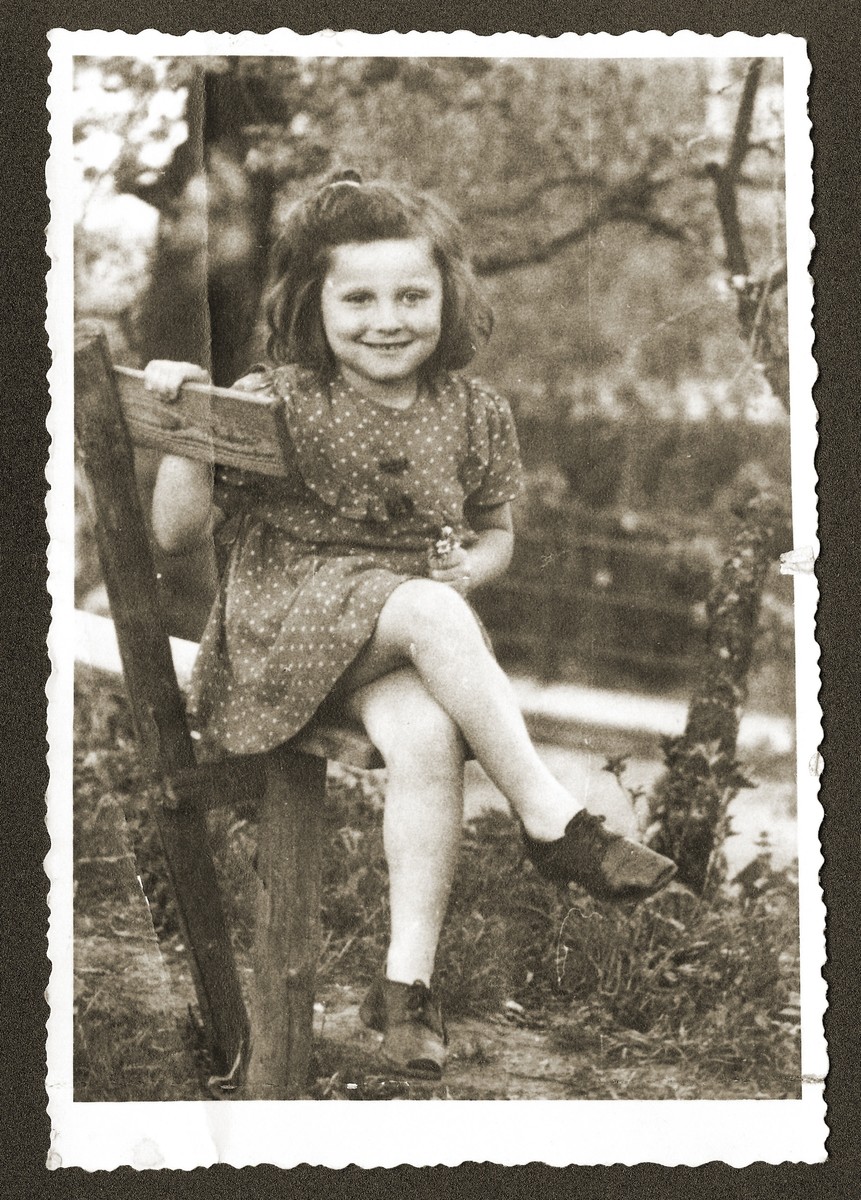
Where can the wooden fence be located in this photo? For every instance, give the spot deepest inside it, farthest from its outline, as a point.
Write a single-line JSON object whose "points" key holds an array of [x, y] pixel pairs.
{"points": [[572, 622], [619, 536]]}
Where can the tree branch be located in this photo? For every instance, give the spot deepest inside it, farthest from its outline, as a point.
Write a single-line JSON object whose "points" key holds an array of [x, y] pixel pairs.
{"points": [[744, 118], [752, 295], [726, 179], [614, 211], [516, 208], [496, 263]]}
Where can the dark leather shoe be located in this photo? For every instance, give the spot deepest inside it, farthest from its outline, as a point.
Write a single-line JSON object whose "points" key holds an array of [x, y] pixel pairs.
{"points": [[608, 865], [410, 1019]]}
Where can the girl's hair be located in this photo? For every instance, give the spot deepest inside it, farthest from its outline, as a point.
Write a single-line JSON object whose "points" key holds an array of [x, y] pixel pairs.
{"points": [[347, 210]]}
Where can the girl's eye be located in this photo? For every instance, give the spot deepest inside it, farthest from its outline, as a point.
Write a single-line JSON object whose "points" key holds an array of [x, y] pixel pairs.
{"points": [[358, 297], [414, 297]]}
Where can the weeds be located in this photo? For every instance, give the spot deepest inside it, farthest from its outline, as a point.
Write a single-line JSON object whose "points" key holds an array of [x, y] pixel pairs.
{"points": [[688, 988]]}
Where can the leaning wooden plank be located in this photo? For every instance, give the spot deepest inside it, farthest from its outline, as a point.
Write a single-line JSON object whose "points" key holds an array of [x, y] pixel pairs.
{"points": [[236, 429], [156, 700]]}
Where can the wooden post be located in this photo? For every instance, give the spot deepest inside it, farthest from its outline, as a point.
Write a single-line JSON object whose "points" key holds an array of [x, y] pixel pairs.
{"points": [[287, 935], [156, 701]]}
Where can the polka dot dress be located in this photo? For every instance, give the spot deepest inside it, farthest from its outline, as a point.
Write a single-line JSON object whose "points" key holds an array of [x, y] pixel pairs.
{"points": [[314, 557]]}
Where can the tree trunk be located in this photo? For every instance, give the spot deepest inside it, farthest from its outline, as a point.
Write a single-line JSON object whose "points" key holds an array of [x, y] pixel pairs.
{"points": [[207, 274], [689, 804], [239, 216]]}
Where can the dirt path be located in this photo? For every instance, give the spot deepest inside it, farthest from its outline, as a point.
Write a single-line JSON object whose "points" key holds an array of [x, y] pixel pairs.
{"points": [[133, 997], [146, 1050], [507, 1056]]}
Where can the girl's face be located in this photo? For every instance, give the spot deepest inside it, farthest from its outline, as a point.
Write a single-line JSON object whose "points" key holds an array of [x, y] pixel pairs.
{"points": [[382, 313]]}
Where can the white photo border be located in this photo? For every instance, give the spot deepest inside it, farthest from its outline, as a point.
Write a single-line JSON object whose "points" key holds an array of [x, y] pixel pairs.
{"points": [[560, 1133]]}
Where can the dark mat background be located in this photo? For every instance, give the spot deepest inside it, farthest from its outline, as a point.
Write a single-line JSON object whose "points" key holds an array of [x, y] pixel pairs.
{"points": [[832, 30]]}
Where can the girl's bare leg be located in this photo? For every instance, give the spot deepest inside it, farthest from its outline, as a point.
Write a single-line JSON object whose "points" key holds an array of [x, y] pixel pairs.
{"points": [[429, 626], [424, 754]]}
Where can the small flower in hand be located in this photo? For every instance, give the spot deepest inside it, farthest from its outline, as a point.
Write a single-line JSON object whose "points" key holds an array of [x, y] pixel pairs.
{"points": [[451, 567]]}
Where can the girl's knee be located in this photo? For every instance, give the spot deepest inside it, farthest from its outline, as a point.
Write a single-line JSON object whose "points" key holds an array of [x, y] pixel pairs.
{"points": [[417, 736], [428, 745], [427, 611]]}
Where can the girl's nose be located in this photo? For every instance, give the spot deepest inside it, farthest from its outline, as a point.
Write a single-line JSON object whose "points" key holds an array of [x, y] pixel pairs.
{"points": [[387, 316]]}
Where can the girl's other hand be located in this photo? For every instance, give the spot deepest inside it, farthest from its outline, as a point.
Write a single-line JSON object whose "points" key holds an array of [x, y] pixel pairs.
{"points": [[452, 568], [166, 377]]}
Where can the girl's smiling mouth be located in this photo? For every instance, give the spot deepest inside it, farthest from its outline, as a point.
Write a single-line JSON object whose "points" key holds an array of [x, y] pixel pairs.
{"points": [[390, 345]]}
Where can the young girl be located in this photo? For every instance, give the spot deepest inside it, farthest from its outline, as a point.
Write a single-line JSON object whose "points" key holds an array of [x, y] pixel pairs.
{"points": [[347, 583]]}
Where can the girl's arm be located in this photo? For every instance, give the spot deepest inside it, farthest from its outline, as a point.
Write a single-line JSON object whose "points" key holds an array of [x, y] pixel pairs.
{"points": [[488, 558], [182, 509]]}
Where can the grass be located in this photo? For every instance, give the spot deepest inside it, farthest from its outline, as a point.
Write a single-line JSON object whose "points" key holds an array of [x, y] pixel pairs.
{"points": [[675, 997]]}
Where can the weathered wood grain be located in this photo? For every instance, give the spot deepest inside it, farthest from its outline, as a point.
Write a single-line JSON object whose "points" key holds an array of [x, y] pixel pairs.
{"points": [[286, 944], [156, 701], [237, 429]]}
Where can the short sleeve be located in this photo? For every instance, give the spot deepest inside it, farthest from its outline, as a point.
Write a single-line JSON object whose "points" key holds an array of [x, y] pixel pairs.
{"points": [[311, 466], [255, 381], [493, 473]]}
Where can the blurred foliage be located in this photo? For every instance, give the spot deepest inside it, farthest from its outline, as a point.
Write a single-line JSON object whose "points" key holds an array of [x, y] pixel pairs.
{"points": [[619, 543], [591, 176], [587, 188]]}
